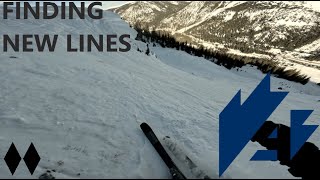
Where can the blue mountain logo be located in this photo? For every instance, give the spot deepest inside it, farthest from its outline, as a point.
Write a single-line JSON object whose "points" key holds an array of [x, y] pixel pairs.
{"points": [[238, 123]]}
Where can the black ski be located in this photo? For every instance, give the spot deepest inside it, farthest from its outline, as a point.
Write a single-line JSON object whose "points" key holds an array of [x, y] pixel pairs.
{"points": [[174, 170]]}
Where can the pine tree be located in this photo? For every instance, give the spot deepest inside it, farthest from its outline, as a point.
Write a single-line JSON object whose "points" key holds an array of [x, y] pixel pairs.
{"points": [[148, 50]]}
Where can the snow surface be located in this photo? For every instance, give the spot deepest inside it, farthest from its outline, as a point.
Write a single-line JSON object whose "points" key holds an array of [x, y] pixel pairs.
{"points": [[290, 59], [314, 46], [82, 111], [206, 13]]}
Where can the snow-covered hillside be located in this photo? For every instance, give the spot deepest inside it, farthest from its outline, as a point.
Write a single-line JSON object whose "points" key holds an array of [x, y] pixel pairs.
{"points": [[82, 111], [284, 25], [286, 30]]}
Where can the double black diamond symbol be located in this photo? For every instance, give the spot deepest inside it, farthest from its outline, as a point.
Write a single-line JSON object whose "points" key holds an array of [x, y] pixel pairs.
{"points": [[13, 158]]}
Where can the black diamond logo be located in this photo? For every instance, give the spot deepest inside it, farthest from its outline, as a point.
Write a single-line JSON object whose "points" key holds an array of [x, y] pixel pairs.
{"points": [[32, 158], [12, 158]]}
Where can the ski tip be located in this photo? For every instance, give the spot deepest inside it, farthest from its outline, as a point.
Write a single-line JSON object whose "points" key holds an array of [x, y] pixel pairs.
{"points": [[145, 127]]}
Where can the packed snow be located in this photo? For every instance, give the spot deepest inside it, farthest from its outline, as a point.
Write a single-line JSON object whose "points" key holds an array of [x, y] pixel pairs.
{"points": [[82, 111]]}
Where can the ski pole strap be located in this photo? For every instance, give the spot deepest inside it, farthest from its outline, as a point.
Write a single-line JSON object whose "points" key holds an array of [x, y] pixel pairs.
{"points": [[305, 164]]}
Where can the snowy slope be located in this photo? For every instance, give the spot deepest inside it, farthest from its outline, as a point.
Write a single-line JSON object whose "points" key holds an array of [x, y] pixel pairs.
{"points": [[246, 28], [82, 111], [265, 24]]}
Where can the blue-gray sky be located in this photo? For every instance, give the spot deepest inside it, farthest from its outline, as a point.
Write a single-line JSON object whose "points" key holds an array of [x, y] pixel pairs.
{"points": [[109, 4], [106, 4]]}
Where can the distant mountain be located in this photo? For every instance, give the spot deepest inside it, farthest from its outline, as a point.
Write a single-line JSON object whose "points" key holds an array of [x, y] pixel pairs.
{"points": [[258, 26]]}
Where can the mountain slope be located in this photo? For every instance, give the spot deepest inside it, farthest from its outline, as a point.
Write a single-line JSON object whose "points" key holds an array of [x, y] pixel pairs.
{"points": [[262, 24], [82, 111], [150, 11], [285, 32]]}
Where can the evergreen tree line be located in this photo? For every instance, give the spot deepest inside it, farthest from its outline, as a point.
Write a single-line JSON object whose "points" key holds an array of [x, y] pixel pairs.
{"points": [[220, 58]]}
